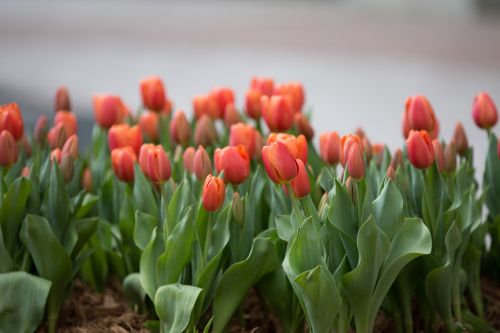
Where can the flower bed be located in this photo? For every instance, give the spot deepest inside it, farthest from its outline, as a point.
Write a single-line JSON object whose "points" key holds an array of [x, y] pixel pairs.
{"points": [[192, 216]]}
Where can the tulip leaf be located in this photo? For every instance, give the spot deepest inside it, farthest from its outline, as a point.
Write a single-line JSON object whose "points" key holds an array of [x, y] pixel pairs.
{"points": [[305, 251], [143, 229], [147, 265], [144, 198], [6, 262], [387, 209], [85, 228], [177, 205], [88, 203], [22, 304], [492, 177], [284, 227], [133, 290]]}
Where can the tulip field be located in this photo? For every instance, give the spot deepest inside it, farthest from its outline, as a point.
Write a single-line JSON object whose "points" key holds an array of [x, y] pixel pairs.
{"points": [[196, 216]]}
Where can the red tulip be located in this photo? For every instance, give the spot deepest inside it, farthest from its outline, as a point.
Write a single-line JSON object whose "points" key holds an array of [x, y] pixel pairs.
{"points": [[62, 101], [235, 163], [40, 130], [278, 112], [153, 93], [68, 120], [419, 114], [123, 135], [420, 150], [67, 166], [460, 139], [205, 133], [206, 104], [243, 134], [223, 97], [213, 194], [109, 110], [296, 91], [188, 159], [378, 152], [303, 126], [450, 157], [8, 148], [438, 154], [329, 147], [167, 108], [11, 120], [300, 184], [148, 122], [87, 180], [180, 130], [397, 159], [253, 105], [355, 162], [26, 146], [71, 147], [345, 145], [123, 160], [280, 165], [57, 136], [297, 146], [231, 116], [484, 111], [154, 163], [55, 155], [201, 164], [264, 85]]}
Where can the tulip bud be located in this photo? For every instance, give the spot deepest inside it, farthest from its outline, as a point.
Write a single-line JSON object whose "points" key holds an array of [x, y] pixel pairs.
{"points": [[205, 133], [206, 105], [377, 152], [231, 116], [122, 135], [300, 184], [243, 134], [252, 103], [367, 145], [390, 174], [450, 157], [167, 108], [303, 126], [62, 101], [154, 163], [397, 159], [438, 154], [188, 159], [87, 180], [25, 172], [55, 156], [238, 208], [57, 136], [460, 139], [484, 111], [11, 120], [68, 120], [109, 110], [148, 122], [278, 112], [8, 149], [434, 133], [359, 131], [67, 167], [420, 113], [235, 163], [180, 130], [355, 162], [296, 91], [420, 150], [40, 130], [223, 96], [346, 143], [201, 164], [123, 160], [26, 146], [297, 146], [329, 147], [71, 147], [406, 125], [153, 93], [264, 85], [352, 189], [213, 194], [280, 165]]}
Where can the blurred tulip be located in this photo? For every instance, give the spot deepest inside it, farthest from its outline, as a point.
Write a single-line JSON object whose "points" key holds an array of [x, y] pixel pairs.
{"points": [[57, 136], [390, 173], [345, 145], [214, 193], [351, 188], [450, 157], [55, 155], [223, 97], [355, 162], [109, 110], [87, 180], [62, 101], [264, 85], [295, 90], [460, 139], [26, 146], [406, 125], [438, 154], [303, 126], [259, 143], [148, 122], [154, 163], [123, 160], [188, 159], [243, 134], [367, 148], [235, 163], [378, 152], [278, 112], [238, 208], [231, 116], [253, 105], [11, 120], [201, 164], [300, 184], [8, 149], [180, 130], [70, 147], [329, 147], [40, 130], [484, 111], [297, 145], [397, 159], [206, 105], [122, 135], [153, 93], [419, 113], [359, 131], [279, 163], [205, 133], [167, 108], [68, 120], [420, 149], [25, 172], [67, 167]]}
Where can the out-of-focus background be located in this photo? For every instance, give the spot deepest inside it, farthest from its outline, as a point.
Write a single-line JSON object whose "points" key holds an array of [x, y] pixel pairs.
{"points": [[358, 59]]}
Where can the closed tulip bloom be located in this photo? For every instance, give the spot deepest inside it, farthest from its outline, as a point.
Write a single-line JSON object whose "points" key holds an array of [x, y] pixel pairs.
{"points": [[397, 159], [296, 91], [8, 149], [345, 145], [377, 152], [188, 159], [303, 126], [67, 167], [123, 160], [180, 130], [214, 193], [168, 107], [297, 145], [40, 130], [11, 120], [329, 147], [57, 136], [87, 180], [238, 208], [450, 157], [434, 133], [420, 113], [235, 163], [253, 105], [278, 112], [26, 146], [300, 184], [154, 163], [280, 165], [62, 101], [68, 120], [484, 111], [205, 133], [55, 155], [148, 122], [264, 85], [206, 105], [355, 162], [390, 173], [406, 125], [231, 115], [153, 93], [123, 135], [243, 134], [223, 97], [438, 154], [460, 138], [70, 147], [420, 150], [109, 110], [201, 164]]}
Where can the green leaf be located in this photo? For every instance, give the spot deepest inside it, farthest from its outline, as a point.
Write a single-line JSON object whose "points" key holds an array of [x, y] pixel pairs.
{"points": [[133, 290], [177, 205], [143, 229], [305, 251], [85, 228], [284, 227], [58, 203], [22, 304], [144, 198], [147, 265], [6, 262], [174, 304], [387, 209], [492, 177], [89, 202]]}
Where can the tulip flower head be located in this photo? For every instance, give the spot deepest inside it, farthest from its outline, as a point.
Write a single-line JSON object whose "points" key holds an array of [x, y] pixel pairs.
{"points": [[153, 93], [11, 120], [201, 164], [214, 193], [253, 106], [280, 165], [460, 139], [223, 97], [40, 129], [264, 85], [346, 143], [109, 110], [68, 120], [123, 160], [25, 172], [87, 180], [390, 173], [55, 156], [278, 112], [154, 163], [57, 136], [300, 184], [188, 159], [329, 147], [205, 133], [419, 114], [231, 115], [62, 101], [180, 130], [234, 162], [355, 162], [450, 157], [243, 134], [420, 149], [296, 92], [438, 154], [123, 135], [70, 147], [484, 111], [8, 149], [206, 105], [397, 159], [148, 122], [303, 126], [297, 145]]}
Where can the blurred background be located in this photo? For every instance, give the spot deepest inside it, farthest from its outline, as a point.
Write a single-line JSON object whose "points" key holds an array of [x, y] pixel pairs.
{"points": [[358, 59]]}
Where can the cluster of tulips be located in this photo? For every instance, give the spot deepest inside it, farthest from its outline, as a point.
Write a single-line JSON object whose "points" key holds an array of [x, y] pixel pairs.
{"points": [[191, 215]]}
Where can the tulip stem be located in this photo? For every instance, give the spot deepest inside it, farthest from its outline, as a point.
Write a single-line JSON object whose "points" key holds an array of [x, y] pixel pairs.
{"points": [[295, 204], [208, 237]]}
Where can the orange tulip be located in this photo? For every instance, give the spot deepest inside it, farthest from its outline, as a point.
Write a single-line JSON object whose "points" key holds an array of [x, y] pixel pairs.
{"points": [[231, 115], [300, 184], [123, 160], [397, 159], [188, 159], [68, 120], [278, 112], [419, 115], [180, 130], [201, 164], [55, 155], [450, 157], [154, 163], [243, 134], [148, 122], [297, 145], [87, 180], [71, 147], [252, 103], [206, 104], [345, 145], [460, 138], [235, 163], [109, 110], [122, 135], [295, 90], [484, 111], [420, 150], [153, 93], [8, 148], [265, 85], [329, 147], [223, 96], [355, 162], [205, 133], [378, 152], [62, 101], [57, 136], [280, 165], [391, 174], [303, 126], [67, 167], [214, 193], [11, 120], [438, 154], [40, 129]]}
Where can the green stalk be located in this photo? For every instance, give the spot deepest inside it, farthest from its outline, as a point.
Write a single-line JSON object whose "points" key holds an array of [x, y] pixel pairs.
{"points": [[455, 299], [295, 203], [310, 207], [208, 238]]}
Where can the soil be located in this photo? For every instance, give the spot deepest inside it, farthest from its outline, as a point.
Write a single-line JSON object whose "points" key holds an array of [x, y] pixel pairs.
{"points": [[88, 311]]}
